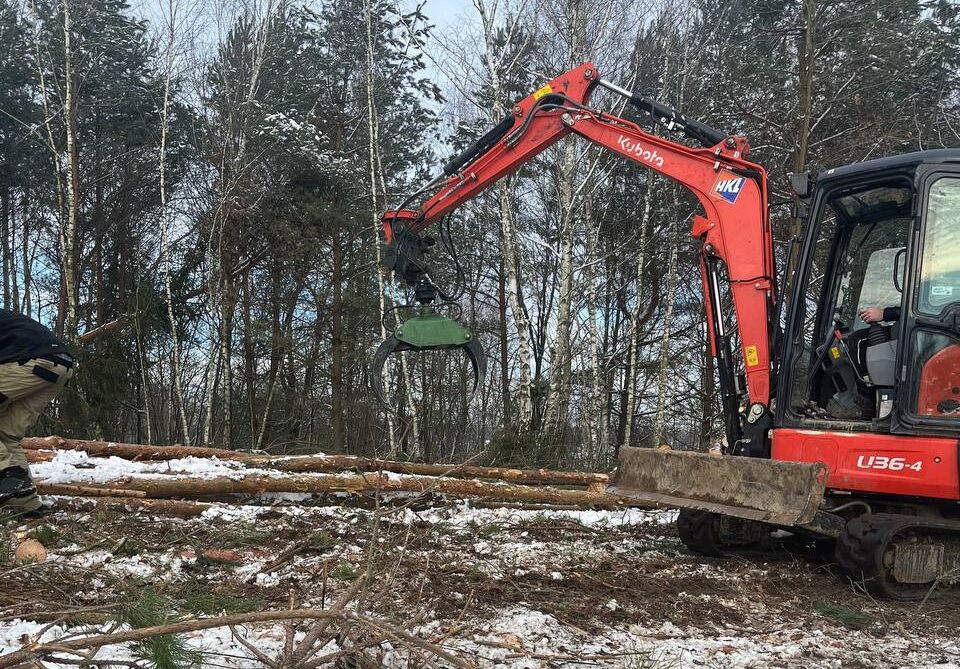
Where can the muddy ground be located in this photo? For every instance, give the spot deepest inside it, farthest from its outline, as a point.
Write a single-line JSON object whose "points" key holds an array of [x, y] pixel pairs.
{"points": [[499, 587]]}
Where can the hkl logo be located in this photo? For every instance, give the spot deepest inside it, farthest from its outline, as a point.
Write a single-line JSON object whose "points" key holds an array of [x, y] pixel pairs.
{"points": [[728, 186]]}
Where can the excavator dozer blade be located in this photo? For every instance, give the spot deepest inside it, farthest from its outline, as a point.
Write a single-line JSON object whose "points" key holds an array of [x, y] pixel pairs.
{"points": [[771, 491]]}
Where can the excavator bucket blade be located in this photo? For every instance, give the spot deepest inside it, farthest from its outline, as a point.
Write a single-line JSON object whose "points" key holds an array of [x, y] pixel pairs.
{"points": [[771, 491]]}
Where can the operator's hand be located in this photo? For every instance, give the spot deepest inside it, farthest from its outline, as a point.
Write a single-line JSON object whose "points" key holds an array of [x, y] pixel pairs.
{"points": [[871, 314]]}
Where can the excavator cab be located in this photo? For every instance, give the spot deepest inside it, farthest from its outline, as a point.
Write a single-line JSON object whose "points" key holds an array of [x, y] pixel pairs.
{"points": [[884, 234]]}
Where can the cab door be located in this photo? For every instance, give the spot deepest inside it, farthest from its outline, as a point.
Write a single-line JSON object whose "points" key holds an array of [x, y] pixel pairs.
{"points": [[928, 392]]}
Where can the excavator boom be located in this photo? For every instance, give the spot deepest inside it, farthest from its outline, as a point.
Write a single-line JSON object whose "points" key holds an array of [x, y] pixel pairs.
{"points": [[736, 243]]}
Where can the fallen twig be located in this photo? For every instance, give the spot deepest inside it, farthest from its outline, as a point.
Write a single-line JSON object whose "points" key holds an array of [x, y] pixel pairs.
{"points": [[32, 651]]}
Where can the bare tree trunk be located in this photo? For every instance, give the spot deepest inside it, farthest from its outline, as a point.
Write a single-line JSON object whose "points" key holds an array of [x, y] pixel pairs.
{"points": [[664, 385], [227, 303], [144, 380], [258, 445], [27, 306], [375, 207], [213, 368], [6, 217], [176, 372], [67, 316], [596, 425], [806, 52], [511, 263], [558, 399], [337, 426], [632, 366], [55, 153], [249, 357], [493, 60], [504, 342]]}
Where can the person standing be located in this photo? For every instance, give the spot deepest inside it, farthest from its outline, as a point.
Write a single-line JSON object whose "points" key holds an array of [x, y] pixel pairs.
{"points": [[34, 367]]}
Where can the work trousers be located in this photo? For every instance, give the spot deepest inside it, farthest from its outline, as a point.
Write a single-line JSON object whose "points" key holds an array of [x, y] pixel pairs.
{"points": [[25, 391]]}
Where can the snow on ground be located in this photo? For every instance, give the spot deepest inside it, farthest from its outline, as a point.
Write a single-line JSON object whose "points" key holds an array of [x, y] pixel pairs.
{"points": [[79, 468], [499, 587]]}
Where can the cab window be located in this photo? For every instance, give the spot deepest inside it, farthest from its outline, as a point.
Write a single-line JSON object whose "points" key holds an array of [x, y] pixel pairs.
{"points": [[935, 350], [857, 262], [940, 263]]}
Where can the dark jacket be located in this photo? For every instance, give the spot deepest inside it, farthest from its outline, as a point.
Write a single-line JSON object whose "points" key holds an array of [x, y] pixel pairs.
{"points": [[22, 338], [891, 314]]}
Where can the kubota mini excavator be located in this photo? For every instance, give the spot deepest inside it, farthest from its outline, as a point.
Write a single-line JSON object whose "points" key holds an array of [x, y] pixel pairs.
{"points": [[835, 428]]}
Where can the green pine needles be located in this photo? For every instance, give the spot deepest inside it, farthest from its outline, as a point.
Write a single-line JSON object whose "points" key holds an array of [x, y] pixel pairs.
{"points": [[165, 651]]}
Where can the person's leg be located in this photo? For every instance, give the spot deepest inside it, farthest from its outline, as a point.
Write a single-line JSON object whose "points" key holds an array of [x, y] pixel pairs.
{"points": [[27, 390]]}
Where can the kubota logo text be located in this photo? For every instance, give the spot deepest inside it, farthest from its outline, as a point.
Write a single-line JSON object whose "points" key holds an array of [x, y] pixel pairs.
{"points": [[637, 149], [728, 186]]}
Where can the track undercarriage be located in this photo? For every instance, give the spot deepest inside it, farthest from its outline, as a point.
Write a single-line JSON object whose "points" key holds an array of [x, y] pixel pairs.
{"points": [[891, 555]]}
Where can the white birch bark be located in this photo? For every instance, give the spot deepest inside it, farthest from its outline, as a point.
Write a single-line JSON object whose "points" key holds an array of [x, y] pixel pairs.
{"points": [[635, 312], [508, 233], [558, 399], [68, 233], [177, 367], [555, 413], [664, 394], [595, 414]]}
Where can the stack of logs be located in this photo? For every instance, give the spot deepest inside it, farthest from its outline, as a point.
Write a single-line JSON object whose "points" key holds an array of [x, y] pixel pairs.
{"points": [[318, 475]]}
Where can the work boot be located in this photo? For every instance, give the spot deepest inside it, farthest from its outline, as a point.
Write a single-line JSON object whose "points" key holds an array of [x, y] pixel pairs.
{"points": [[15, 483]]}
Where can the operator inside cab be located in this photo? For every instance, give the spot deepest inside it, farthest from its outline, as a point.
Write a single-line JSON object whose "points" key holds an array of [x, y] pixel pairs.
{"points": [[854, 296]]}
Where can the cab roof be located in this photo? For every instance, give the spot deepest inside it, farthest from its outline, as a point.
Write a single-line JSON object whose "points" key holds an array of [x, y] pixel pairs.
{"points": [[891, 163]]}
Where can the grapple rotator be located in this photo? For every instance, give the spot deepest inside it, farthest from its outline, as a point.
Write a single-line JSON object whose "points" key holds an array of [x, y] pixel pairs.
{"points": [[404, 254]]}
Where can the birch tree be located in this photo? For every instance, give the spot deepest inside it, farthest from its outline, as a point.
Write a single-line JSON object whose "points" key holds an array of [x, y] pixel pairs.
{"points": [[500, 60], [176, 371]]}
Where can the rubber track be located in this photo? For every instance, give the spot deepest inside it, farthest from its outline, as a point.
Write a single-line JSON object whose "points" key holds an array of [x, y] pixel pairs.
{"points": [[699, 531], [863, 542]]}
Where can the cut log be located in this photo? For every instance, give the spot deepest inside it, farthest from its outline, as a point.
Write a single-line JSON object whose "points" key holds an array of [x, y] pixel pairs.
{"points": [[335, 463], [38, 449], [163, 507], [167, 488], [70, 490], [128, 451]]}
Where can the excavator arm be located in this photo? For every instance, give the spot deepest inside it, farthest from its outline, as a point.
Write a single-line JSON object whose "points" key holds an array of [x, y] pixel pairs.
{"points": [[733, 229]]}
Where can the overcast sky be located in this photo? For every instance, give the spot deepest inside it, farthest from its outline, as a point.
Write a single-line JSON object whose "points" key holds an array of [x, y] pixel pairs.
{"points": [[445, 12]]}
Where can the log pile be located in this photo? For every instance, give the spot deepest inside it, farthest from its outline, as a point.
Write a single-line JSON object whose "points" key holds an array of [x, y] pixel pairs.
{"points": [[41, 448], [314, 475]]}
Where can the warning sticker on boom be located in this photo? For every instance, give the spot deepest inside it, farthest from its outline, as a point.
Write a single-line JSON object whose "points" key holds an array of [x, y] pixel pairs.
{"points": [[540, 92], [751, 354]]}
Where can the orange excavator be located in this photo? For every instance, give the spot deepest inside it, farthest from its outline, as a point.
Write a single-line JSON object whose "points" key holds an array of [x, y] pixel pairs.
{"points": [[839, 426]]}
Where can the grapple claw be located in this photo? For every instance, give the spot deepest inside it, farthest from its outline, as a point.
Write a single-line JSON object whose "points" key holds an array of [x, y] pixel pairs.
{"points": [[428, 332], [388, 347], [478, 360]]}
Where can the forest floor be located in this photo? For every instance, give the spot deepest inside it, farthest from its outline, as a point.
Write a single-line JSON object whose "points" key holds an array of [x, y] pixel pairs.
{"points": [[498, 587]]}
